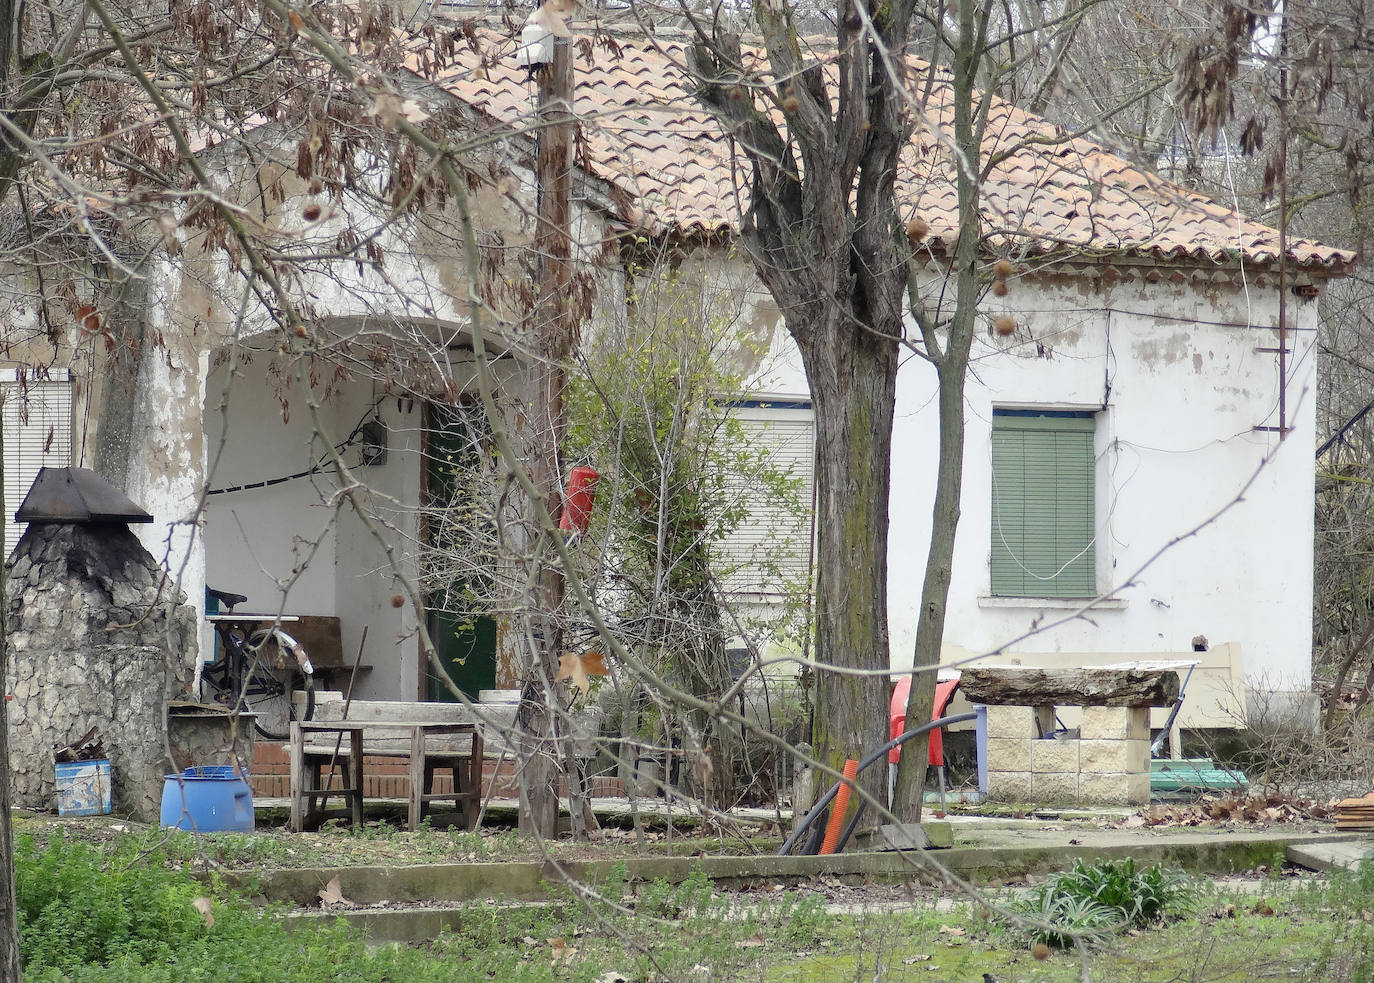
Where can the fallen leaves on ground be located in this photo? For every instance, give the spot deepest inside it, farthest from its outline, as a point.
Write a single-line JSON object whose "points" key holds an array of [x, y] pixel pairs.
{"points": [[332, 893], [560, 951], [1255, 810]]}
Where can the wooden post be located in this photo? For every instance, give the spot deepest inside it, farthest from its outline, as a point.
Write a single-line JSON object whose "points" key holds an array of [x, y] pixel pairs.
{"points": [[551, 336]]}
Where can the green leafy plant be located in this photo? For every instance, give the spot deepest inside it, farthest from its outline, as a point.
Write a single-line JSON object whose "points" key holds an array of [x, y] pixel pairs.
{"points": [[1090, 901]]}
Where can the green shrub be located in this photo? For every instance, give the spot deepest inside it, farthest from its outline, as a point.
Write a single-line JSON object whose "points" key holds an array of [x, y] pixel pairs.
{"points": [[79, 905], [1090, 901]]}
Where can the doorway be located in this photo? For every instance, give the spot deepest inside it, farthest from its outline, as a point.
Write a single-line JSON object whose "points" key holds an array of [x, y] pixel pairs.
{"points": [[459, 488]]}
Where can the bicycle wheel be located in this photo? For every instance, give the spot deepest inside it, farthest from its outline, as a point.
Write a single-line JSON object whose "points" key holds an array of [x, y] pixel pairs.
{"points": [[279, 667], [268, 696]]}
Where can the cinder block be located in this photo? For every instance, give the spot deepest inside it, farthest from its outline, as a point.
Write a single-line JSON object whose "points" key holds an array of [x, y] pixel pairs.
{"points": [[1108, 757], [1009, 754], [1114, 789], [1054, 788], [1011, 722], [1009, 786], [1053, 756], [1115, 724]]}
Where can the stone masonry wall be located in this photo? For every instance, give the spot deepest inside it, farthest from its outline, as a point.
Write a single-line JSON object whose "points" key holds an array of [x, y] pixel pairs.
{"points": [[1107, 764], [95, 640]]}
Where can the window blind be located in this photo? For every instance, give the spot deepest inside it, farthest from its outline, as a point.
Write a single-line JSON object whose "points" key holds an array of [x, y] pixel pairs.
{"points": [[1043, 504]]}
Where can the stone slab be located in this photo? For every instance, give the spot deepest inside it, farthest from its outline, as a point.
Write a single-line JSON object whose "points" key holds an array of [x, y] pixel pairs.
{"points": [[1323, 856]]}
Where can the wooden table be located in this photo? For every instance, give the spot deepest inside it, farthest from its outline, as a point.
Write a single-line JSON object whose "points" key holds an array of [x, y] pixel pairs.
{"points": [[308, 760]]}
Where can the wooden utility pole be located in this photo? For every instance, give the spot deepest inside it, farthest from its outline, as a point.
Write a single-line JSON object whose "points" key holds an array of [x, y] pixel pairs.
{"points": [[551, 337]]}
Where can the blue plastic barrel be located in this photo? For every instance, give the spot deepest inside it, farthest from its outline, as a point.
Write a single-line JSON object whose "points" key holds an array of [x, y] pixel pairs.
{"points": [[208, 799]]}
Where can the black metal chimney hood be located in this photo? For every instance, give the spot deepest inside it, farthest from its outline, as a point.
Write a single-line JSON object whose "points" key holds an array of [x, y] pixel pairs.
{"points": [[76, 496]]}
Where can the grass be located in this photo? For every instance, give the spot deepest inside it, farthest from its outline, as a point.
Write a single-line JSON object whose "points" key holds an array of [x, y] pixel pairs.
{"points": [[381, 842], [121, 908]]}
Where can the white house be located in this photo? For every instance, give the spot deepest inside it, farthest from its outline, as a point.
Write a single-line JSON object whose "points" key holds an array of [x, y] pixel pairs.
{"points": [[1132, 442]]}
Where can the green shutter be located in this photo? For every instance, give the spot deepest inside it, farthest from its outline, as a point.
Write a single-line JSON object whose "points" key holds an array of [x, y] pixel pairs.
{"points": [[1043, 513]]}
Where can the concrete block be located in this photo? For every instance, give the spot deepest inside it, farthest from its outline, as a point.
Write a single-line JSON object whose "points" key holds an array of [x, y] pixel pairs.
{"points": [[1114, 789], [1115, 724], [1009, 786], [1054, 788], [1054, 756], [1011, 722], [1009, 754], [1112, 757]]}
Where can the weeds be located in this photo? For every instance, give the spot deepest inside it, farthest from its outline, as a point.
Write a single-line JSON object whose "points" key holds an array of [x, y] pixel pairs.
{"points": [[1091, 901]]}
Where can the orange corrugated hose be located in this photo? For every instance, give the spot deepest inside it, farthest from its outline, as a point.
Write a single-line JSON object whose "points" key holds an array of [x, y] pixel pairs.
{"points": [[832, 830]]}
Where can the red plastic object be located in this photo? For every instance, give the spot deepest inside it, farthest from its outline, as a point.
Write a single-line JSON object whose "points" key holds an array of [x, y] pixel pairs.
{"points": [[944, 692], [841, 806], [577, 503]]}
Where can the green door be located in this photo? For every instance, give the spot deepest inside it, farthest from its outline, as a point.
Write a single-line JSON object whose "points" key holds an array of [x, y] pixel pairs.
{"points": [[457, 476]]}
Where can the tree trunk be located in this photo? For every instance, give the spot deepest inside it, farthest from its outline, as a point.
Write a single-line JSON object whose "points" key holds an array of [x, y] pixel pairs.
{"points": [[551, 332], [930, 627], [853, 374], [951, 364]]}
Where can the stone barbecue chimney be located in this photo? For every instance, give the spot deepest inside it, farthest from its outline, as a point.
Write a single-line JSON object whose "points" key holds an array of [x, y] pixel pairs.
{"points": [[97, 639]]}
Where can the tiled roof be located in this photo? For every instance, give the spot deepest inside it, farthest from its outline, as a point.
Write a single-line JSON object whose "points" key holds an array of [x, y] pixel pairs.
{"points": [[1052, 194]]}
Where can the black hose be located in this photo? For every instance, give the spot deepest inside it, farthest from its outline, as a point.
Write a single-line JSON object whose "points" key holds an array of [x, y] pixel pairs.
{"points": [[826, 799], [817, 837]]}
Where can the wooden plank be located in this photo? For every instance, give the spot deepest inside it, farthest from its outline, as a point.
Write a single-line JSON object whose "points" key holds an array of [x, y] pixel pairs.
{"points": [[297, 759], [417, 777], [355, 770], [1092, 686], [322, 638]]}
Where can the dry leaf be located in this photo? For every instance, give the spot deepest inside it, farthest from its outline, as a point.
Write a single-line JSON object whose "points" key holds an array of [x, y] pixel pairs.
{"points": [[753, 942], [577, 668], [951, 930], [919, 958], [296, 20], [332, 893], [562, 952], [386, 106], [203, 906]]}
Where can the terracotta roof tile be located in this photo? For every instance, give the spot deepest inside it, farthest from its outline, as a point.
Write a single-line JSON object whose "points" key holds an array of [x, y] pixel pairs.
{"points": [[646, 134]]}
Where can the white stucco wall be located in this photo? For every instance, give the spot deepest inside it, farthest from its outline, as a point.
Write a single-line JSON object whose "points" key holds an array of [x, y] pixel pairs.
{"points": [[1184, 387]]}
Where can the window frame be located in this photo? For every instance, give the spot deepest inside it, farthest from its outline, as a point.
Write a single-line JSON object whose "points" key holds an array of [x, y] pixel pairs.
{"points": [[1063, 458]]}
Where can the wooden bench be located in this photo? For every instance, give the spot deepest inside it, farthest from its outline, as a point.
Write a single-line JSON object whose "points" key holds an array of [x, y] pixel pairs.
{"points": [[434, 737]]}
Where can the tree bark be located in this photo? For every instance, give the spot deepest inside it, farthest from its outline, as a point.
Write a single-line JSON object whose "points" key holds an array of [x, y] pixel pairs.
{"points": [[10, 966], [951, 366], [1090, 687], [551, 330], [853, 378]]}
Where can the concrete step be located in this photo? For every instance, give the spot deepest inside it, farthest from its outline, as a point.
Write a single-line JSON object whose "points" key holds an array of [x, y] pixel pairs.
{"points": [[1324, 856]]}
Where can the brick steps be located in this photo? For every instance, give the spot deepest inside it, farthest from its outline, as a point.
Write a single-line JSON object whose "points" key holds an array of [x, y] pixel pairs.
{"points": [[389, 778]]}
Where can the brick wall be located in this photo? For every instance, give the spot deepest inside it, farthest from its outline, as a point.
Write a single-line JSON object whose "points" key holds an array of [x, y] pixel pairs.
{"points": [[389, 778]]}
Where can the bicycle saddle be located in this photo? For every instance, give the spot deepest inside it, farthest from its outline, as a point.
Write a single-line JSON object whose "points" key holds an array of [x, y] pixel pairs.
{"points": [[226, 598]]}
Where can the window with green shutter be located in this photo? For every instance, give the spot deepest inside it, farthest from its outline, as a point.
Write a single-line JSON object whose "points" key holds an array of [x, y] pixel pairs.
{"points": [[1043, 515]]}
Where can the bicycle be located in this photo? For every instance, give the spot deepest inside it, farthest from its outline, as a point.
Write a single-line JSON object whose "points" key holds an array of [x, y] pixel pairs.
{"points": [[253, 671]]}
